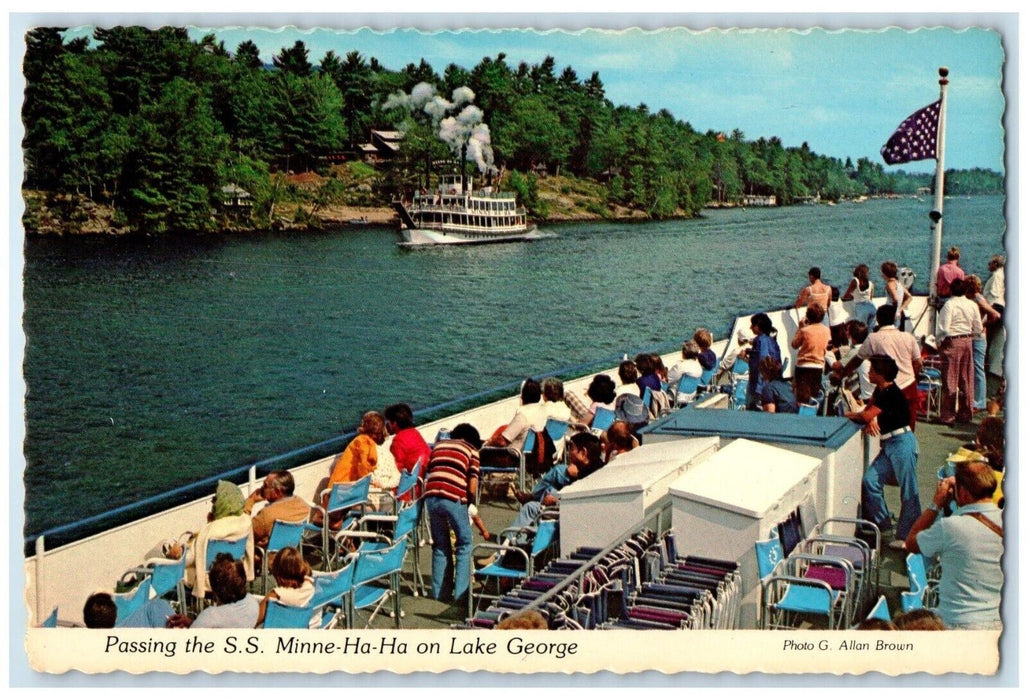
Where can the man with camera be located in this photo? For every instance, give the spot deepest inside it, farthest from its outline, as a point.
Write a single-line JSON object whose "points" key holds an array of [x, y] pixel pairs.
{"points": [[969, 544]]}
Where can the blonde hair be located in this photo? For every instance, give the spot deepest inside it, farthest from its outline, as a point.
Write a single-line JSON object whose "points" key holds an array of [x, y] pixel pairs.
{"points": [[373, 425]]}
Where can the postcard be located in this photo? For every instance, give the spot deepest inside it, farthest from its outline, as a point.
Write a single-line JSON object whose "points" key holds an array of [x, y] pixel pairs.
{"points": [[607, 345]]}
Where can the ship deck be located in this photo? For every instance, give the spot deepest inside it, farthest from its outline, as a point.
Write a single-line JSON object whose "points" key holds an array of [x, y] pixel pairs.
{"points": [[935, 442]]}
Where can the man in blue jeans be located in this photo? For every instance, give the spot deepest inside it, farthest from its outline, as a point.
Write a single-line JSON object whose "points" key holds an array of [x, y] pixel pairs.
{"points": [[451, 482], [887, 416]]}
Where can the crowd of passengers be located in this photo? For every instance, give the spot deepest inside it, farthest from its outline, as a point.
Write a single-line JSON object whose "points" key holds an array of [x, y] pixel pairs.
{"points": [[868, 343]]}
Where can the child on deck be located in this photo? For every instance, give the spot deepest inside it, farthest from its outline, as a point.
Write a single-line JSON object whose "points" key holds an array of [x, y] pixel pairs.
{"points": [[295, 585]]}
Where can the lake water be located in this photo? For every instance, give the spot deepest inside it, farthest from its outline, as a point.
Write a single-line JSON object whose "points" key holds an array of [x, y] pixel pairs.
{"points": [[151, 363]]}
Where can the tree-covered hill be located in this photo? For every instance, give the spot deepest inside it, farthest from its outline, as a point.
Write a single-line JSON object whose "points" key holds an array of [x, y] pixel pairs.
{"points": [[152, 125]]}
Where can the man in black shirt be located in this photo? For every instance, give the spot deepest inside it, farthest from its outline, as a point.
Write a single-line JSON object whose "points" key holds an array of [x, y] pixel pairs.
{"points": [[887, 416]]}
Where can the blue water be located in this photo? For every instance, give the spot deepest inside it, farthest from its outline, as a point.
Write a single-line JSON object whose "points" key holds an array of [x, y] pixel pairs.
{"points": [[154, 362]]}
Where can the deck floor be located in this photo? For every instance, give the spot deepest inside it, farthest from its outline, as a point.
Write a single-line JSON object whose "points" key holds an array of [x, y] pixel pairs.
{"points": [[935, 443]]}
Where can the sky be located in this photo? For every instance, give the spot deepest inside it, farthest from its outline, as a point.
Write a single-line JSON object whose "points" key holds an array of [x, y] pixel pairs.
{"points": [[842, 91]]}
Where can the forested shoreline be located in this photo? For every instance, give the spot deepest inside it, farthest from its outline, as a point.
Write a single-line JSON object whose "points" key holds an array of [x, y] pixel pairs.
{"points": [[147, 127]]}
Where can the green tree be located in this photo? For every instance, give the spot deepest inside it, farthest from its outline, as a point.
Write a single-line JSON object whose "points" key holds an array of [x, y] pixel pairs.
{"points": [[172, 173]]}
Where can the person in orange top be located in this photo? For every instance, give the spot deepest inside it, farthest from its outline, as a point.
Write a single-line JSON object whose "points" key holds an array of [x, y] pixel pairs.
{"points": [[361, 456], [811, 340]]}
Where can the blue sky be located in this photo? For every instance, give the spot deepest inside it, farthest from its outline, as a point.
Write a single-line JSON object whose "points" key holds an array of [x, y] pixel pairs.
{"points": [[841, 91]]}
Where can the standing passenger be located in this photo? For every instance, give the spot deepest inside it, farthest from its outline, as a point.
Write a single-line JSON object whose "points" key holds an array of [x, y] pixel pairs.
{"points": [[885, 416], [896, 295], [861, 291], [959, 322], [817, 292], [948, 273], [451, 483], [989, 315], [811, 341], [763, 345]]}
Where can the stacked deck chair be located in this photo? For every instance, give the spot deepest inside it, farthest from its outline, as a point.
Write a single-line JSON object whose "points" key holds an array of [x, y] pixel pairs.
{"points": [[640, 584]]}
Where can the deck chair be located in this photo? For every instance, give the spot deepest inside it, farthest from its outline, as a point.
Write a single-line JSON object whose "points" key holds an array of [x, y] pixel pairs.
{"points": [[808, 409], [500, 460], [279, 616], [128, 603], [376, 579], [543, 537], [685, 390], [407, 489], [864, 552], [880, 611], [283, 534], [51, 619], [922, 593], [377, 531], [603, 418], [165, 576], [808, 586], [707, 379], [557, 430], [333, 594], [349, 500], [738, 395]]}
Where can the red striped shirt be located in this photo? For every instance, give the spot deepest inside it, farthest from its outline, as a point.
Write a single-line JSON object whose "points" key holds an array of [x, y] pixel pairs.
{"points": [[452, 465]]}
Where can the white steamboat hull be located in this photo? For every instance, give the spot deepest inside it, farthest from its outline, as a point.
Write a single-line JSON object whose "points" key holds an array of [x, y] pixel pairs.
{"points": [[417, 237]]}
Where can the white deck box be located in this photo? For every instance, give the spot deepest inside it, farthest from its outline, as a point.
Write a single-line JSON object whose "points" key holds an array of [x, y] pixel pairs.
{"points": [[836, 442], [723, 505], [599, 508]]}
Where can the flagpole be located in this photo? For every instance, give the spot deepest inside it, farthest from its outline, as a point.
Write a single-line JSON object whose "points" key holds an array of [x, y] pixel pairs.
{"points": [[935, 216]]}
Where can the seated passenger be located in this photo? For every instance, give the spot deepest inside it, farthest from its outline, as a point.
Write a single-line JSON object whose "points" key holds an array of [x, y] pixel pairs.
{"points": [[361, 456], [618, 438], [407, 446], [281, 504], [530, 416], [776, 396], [585, 455], [295, 586], [703, 339], [234, 608], [553, 400], [629, 376], [690, 366], [647, 370], [226, 521]]}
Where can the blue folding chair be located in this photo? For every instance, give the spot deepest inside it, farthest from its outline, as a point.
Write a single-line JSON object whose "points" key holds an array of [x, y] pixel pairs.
{"points": [[544, 538], [557, 430], [922, 593], [808, 409], [739, 388], [707, 379], [685, 390], [215, 546], [880, 611], [348, 500], [788, 593], [51, 619], [280, 616], [165, 576], [332, 594], [376, 579], [603, 418], [127, 603], [377, 531], [283, 534]]}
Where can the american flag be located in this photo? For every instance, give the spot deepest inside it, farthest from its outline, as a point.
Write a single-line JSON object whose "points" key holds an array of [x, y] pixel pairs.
{"points": [[915, 138]]}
